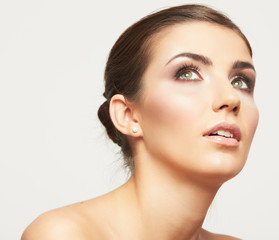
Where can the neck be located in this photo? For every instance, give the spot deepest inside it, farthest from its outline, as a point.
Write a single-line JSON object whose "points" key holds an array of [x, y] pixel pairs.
{"points": [[169, 206]]}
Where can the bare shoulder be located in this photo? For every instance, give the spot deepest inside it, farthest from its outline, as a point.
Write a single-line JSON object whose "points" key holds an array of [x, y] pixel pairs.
{"points": [[52, 225], [214, 236], [69, 223]]}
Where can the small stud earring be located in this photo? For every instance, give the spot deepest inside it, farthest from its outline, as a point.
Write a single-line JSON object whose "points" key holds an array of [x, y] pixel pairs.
{"points": [[135, 129]]}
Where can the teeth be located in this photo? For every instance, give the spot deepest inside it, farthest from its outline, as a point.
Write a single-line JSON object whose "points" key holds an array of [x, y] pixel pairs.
{"points": [[223, 133]]}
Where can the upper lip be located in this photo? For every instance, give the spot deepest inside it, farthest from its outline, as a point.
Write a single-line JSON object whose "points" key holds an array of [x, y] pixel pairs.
{"points": [[232, 128]]}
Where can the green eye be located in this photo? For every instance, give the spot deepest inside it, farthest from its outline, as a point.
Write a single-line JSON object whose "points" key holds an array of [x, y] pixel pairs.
{"points": [[188, 75], [239, 83]]}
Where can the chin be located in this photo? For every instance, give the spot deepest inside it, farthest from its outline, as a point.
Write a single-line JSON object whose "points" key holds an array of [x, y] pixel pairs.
{"points": [[224, 168]]}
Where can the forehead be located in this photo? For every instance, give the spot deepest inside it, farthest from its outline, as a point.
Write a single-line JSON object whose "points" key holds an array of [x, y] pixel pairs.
{"points": [[211, 40]]}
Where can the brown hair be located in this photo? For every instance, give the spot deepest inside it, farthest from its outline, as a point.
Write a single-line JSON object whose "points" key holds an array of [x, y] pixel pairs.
{"points": [[129, 58]]}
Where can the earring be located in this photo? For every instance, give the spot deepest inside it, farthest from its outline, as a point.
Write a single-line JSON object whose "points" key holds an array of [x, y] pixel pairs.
{"points": [[135, 129]]}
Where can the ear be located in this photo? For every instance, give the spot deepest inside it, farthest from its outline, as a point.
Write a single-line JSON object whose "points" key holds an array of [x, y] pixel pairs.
{"points": [[121, 114]]}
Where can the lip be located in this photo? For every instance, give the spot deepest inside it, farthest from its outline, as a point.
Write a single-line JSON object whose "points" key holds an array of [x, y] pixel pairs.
{"points": [[230, 142]]}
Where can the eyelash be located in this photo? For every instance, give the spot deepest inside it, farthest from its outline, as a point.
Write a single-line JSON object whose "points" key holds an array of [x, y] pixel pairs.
{"points": [[196, 69], [247, 80], [186, 67]]}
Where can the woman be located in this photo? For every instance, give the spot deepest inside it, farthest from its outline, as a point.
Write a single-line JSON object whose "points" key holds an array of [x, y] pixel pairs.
{"points": [[179, 87]]}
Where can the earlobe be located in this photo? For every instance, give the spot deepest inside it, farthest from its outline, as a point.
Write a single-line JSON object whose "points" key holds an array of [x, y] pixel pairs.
{"points": [[122, 116]]}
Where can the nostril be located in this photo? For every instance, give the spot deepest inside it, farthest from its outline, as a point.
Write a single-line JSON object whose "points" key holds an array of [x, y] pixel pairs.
{"points": [[230, 108], [235, 109], [223, 106]]}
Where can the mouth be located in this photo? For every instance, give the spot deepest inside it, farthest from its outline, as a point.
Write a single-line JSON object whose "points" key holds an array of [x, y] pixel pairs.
{"points": [[225, 134]]}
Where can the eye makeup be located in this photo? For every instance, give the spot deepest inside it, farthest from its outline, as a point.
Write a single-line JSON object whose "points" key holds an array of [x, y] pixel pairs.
{"points": [[187, 68], [249, 81], [241, 79]]}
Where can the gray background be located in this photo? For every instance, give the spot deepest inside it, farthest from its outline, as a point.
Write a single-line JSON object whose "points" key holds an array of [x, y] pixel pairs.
{"points": [[53, 150]]}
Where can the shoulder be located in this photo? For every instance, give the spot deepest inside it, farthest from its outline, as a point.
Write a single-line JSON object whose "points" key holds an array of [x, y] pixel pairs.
{"points": [[52, 225], [65, 223], [213, 236]]}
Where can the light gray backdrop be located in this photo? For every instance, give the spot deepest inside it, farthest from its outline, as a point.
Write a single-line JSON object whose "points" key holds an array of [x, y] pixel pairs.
{"points": [[53, 150]]}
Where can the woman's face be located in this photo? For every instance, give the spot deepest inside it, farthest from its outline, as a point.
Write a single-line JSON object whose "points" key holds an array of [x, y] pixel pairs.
{"points": [[197, 111]]}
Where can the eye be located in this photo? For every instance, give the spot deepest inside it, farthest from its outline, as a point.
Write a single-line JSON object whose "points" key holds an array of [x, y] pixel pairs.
{"points": [[188, 73], [240, 82]]}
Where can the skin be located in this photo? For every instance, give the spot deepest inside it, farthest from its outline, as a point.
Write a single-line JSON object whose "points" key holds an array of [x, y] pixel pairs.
{"points": [[178, 170]]}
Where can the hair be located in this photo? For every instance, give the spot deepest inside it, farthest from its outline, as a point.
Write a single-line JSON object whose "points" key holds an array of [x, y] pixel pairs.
{"points": [[130, 55]]}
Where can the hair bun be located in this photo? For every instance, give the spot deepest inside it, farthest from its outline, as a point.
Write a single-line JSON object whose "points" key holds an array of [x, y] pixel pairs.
{"points": [[103, 114]]}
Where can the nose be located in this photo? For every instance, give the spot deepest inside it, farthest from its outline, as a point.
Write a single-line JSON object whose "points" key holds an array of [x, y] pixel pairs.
{"points": [[226, 98]]}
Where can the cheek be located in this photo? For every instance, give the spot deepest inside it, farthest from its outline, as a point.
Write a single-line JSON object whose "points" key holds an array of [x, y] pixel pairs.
{"points": [[167, 124], [250, 119], [254, 119], [169, 111], [171, 119]]}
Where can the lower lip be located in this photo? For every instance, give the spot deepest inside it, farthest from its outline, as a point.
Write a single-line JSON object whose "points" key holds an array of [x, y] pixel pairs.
{"points": [[229, 142]]}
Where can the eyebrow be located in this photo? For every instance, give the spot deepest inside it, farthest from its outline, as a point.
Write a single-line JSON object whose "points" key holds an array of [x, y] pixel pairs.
{"points": [[194, 56], [242, 65], [206, 61]]}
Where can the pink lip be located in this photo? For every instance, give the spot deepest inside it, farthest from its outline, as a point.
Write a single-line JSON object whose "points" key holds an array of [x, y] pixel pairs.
{"points": [[230, 142]]}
